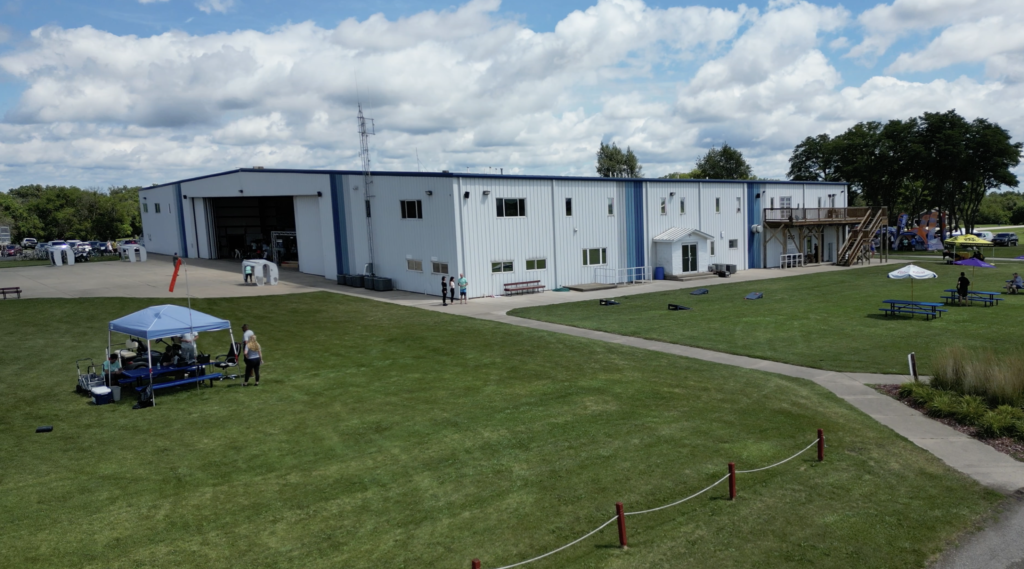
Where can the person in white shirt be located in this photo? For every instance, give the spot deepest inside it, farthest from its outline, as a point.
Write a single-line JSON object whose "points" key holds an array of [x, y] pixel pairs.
{"points": [[188, 346]]}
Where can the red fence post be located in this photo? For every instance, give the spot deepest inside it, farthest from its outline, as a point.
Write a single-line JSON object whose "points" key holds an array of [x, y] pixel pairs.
{"points": [[821, 445], [476, 564], [732, 480], [622, 524]]}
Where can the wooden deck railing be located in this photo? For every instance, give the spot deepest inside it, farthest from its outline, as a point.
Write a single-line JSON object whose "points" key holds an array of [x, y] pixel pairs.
{"points": [[815, 214]]}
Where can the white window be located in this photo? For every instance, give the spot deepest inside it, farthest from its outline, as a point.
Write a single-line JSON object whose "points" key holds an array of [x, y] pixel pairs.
{"points": [[611, 206], [718, 205], [501, 267], [568, 207], [145, 207], [712, 248], [439, 268], [595, 257], [511, 207], [536, 264], [786, 202], [414, 265], [664, 206], [739, 206], [682, 205], [734, 243], [156, 208], [412, 209]]}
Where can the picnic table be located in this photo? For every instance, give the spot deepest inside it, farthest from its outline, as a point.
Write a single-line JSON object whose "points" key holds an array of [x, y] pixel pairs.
{"points": [[195, 371], [928, 309], [987, 298]]}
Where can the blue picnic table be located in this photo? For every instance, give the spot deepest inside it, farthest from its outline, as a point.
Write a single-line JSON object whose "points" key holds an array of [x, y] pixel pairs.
{"points": [[928, 309], [987, 298], [195, 373]]}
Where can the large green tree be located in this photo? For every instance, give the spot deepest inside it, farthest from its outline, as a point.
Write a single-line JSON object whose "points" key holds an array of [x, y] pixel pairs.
{"points": [[68, 212], [612, 162], [725, 163], [815, 159]]}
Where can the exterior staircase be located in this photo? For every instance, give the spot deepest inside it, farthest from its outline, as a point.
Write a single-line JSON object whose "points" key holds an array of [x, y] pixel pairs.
{"points": [[861, 235]]}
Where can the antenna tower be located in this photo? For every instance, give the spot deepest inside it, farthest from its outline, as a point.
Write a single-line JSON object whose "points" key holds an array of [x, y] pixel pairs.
{"points": [[364, 151]]}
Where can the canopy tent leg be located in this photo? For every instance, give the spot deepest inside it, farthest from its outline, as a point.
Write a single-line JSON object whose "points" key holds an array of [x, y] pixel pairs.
{"points": [[237, 354], [149, 360], [108, 358]]}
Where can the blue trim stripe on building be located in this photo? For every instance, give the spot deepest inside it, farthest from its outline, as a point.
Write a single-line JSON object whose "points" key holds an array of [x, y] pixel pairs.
{"points": [[754, 218], [181, 221], [634, 212], [340, 232]]}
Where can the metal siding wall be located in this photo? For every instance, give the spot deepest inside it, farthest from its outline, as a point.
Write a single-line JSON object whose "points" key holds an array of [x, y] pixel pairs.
{"points": [[488, 238], [201, 227], [355, 224], [161, 232], [308, 235], [589, 227], [729, 222], [395, 239], [179, 206]]}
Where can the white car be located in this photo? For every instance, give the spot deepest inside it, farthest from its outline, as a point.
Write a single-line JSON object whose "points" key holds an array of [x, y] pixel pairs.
{"points": [[28, 243]]}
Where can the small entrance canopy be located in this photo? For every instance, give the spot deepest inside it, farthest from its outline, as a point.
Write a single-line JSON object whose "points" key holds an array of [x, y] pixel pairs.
{"points": [[165, 321], [677, 233]]}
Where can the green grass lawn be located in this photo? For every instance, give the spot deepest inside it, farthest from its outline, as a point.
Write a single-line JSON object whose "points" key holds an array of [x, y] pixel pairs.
{"points": [[385, 436], [825, 320]]}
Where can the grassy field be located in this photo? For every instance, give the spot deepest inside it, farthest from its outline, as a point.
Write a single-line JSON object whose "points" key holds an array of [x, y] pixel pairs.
{"points": [[394, 437], [825, 320]]}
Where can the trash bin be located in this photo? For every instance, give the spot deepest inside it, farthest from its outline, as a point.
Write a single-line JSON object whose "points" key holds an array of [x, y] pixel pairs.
{"points": [[115, 391], [342, 279], [382, 284], [368, 281], [355, 280], [102, 395], [659, 273]]}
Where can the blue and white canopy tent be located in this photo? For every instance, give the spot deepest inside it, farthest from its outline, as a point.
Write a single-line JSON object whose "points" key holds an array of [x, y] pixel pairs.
{"points": [[165, 321]]}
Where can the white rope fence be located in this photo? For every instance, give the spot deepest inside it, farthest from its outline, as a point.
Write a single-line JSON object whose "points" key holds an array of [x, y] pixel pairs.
{"points": [[620, 515]]}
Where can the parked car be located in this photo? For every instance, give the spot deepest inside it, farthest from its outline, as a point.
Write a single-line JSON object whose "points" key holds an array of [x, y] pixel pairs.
{"points": [[986, 235], [1005, 239], [29, 243], [11, 250], [101, 247]]}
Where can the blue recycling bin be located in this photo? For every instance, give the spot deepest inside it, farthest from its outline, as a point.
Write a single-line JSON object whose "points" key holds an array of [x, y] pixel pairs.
{"points": [[659, 273]]}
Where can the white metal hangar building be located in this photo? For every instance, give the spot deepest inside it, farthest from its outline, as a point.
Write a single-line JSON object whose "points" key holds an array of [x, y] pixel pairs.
{"points": [[561, 231]]}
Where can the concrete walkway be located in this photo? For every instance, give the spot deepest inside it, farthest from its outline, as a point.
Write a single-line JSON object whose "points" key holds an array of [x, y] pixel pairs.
{"points": [[212, 279]]}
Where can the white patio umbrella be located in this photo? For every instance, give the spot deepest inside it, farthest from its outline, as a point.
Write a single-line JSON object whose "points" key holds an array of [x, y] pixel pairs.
{"points": [[912, 272]]}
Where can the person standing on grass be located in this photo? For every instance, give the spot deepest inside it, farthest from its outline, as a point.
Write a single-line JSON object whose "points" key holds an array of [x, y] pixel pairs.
{"points": [[451, 289], [444, 291], [463, 283], [963, 284], [253, 355]]}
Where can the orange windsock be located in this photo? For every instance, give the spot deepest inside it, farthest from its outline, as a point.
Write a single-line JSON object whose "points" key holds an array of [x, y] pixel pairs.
{"points": [[177, 265]]}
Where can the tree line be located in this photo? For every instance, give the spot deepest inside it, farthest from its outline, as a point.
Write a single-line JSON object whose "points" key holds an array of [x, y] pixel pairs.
{"points": [[934, 161], [50, 213]]}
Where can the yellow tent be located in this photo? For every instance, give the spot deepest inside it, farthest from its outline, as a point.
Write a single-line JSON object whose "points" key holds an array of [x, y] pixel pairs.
{"points": [[968, 241]]}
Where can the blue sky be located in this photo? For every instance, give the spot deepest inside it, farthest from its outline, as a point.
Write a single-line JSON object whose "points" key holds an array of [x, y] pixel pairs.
{"points": [[107, 92]]}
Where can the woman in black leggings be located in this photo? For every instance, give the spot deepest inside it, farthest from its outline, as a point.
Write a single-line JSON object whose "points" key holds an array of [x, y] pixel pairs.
{"points": [[444, 292], [253, 359]]}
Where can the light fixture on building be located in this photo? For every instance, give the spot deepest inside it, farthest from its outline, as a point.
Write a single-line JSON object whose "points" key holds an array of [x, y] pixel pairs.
{"points": [[430, 193], [671, 194], [319, 194], [487, 192], [184, 197], [466, 195], [241, 191]]}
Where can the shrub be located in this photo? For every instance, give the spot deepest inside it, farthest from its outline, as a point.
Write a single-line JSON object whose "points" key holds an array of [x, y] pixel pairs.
{"points": [[1003, 421], [943, 404], [997, 378], [919, 393], [972, 410]]}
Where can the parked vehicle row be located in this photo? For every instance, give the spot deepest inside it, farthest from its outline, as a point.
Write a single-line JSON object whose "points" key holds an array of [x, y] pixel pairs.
{"points": [[1005, 239]]}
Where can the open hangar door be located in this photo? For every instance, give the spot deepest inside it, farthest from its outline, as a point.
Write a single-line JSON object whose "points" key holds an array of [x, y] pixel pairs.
{"points": [[245, 224]]}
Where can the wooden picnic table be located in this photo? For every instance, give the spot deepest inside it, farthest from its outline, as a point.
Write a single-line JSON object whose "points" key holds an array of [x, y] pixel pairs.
{"points": [[912, 307]]}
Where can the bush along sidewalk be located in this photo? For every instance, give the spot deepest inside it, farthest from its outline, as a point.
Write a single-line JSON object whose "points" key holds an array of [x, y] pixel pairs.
{"points": [[972, 412]]}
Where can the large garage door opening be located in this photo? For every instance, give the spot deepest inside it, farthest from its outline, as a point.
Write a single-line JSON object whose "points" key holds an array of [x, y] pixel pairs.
{"points": [[244, 226]]}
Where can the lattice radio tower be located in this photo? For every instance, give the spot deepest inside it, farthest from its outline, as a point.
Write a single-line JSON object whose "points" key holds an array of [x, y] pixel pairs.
{"points": [[364, 150]]}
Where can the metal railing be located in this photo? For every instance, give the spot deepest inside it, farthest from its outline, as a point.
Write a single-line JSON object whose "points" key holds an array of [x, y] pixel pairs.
{"points": [[608, 275], [827, 214]]}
